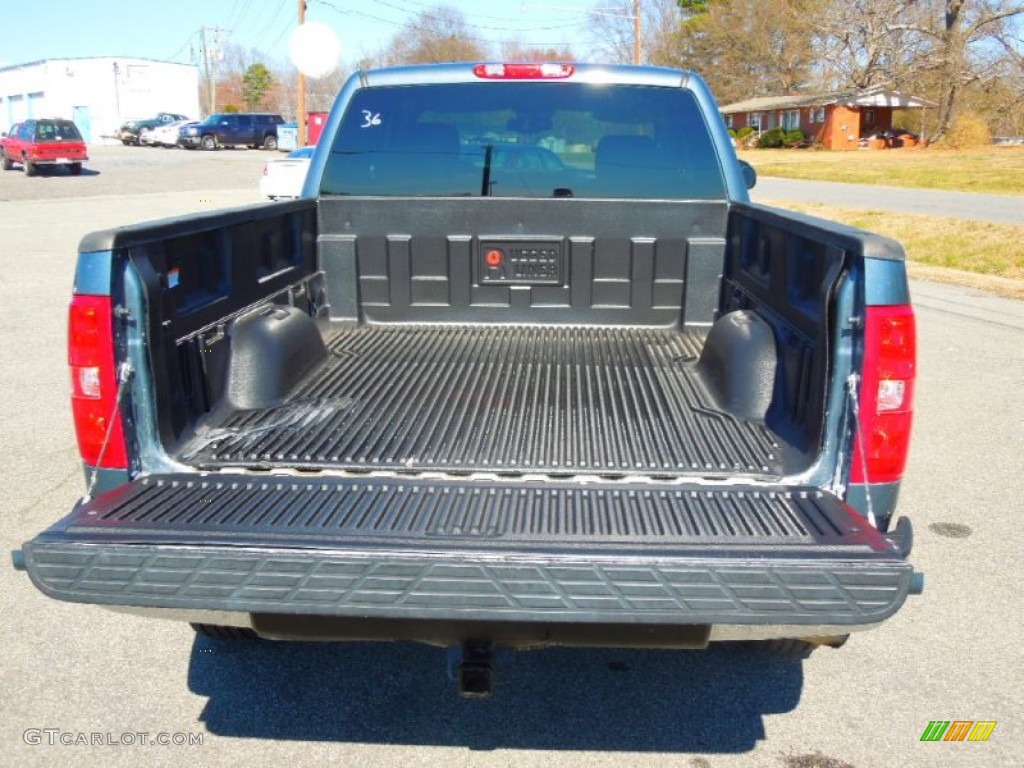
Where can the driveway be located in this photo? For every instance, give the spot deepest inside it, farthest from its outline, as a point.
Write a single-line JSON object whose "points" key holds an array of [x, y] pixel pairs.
{"points": [[1002, 209]]}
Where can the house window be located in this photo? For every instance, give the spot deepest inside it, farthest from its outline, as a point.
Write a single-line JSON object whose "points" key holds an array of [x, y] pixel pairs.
{"points": [[728, 121], [818, 115], [869, 117], [791, 119]]}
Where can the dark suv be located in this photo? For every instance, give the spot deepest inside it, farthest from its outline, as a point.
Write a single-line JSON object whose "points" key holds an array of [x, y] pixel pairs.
{"points": [[247, 129]]}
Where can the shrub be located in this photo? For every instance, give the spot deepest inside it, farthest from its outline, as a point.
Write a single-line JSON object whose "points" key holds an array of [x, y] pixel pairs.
{"points": [[231, 108], [793, 138], [732, 133], [771, 139], [743, 132], [968, 130]]}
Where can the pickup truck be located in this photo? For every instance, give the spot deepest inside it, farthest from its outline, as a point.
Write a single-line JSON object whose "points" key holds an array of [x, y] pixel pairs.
{"points": [[523, 367], [232, 129]]}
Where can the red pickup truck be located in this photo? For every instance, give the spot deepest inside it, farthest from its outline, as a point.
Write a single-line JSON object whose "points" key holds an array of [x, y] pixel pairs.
{"points": [[38, 143]]}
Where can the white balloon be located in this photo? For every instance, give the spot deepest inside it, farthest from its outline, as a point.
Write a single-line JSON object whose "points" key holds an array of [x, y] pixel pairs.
{"points": [[314, 49]]}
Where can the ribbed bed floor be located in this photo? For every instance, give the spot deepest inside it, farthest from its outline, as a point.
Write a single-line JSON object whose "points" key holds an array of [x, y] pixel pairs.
{"points": [[502, 399]]}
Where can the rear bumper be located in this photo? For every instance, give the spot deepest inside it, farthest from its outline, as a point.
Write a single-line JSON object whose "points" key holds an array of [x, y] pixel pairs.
{"points": [[607, 557], [58, 160]]}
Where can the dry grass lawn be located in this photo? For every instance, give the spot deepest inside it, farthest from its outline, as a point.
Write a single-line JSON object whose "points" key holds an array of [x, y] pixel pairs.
{"points": [[998, 170], [970, 246]]}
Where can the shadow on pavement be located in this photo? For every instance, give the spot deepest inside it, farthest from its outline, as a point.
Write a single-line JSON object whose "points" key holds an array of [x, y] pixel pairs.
{"points": [[571, 699], [54, 171]]}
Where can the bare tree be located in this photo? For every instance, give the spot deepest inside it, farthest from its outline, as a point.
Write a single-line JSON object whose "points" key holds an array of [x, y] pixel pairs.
{"points": [[516, 50], [437, 34], [967, 29], [961, 53], [864, 43], [959, 46], [613, 33]]}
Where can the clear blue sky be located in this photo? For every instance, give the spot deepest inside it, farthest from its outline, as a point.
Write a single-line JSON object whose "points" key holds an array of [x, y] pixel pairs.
{"points": [[166, 30]]}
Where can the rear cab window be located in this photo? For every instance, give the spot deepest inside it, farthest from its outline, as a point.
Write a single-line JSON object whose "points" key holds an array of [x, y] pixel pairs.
{"points": [[524, 139], [57, 130]]}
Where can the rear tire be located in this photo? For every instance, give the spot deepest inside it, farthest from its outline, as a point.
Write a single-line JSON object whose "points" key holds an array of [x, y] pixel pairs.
{"points": [[208, 143], [5, 162], [270, 142], [28, 166], [219, 632]]}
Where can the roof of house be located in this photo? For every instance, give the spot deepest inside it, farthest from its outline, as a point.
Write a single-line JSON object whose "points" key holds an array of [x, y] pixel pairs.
{"points": [[62, 59], [871, 97]]}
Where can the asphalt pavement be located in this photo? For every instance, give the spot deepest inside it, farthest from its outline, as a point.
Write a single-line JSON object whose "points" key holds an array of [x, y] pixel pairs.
{"points": [[73, 670], [1002, 209]]}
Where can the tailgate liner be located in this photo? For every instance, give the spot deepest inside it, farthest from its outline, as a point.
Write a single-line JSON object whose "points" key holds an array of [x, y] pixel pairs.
{"points": [[388, 548], [508, 399]]}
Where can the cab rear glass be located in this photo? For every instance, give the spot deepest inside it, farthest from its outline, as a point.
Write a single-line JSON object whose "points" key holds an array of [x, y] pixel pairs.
{"points": [[57, 130], [524, 139]]}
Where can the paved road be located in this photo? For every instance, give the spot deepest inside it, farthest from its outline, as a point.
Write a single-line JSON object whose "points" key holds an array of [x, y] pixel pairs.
{"points": [[1003, 209], [952, 653]]}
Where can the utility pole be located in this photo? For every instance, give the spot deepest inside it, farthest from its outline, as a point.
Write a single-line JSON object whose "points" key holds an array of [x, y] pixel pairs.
{"points": [[210, 56], [636, 32], [301, 118], [206, 68]]}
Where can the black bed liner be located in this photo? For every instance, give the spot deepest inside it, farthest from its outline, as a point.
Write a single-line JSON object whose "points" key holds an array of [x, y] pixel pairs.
{"points": [[611, 401], [394, 548]]}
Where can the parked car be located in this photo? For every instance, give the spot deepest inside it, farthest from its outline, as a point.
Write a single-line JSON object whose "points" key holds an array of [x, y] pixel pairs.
{"points": [[233, 129], [131, 131], [284, 176], [40, 143], [127, 133], [165, 135]]}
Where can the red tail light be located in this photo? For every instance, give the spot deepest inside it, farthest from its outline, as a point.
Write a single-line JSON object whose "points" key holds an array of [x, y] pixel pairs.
{"points": [[539, 71], [94, 382], [887, 394]]}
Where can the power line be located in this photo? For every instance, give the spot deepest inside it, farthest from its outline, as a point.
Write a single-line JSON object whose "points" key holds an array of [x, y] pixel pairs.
{"points": [[504, 19], [520, 30], [283, 19], [183, 47], [238, 11]]}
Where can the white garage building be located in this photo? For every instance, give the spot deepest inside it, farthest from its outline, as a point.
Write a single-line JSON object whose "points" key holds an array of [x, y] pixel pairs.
{"points": [[97, 93]]}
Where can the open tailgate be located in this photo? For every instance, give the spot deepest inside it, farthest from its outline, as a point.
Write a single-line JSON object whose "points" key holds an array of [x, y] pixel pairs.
{"points": [[415, 548]]}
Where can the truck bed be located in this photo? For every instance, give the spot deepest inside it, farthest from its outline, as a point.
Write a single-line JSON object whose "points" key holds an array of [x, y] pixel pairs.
{"points": [[495, 399]]}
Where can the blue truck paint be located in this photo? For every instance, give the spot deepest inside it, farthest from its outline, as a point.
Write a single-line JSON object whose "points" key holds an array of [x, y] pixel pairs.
{"points": [[93, 273]]}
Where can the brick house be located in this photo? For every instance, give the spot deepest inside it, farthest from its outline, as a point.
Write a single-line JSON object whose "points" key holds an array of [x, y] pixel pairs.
{"points": [[832, 120]]}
